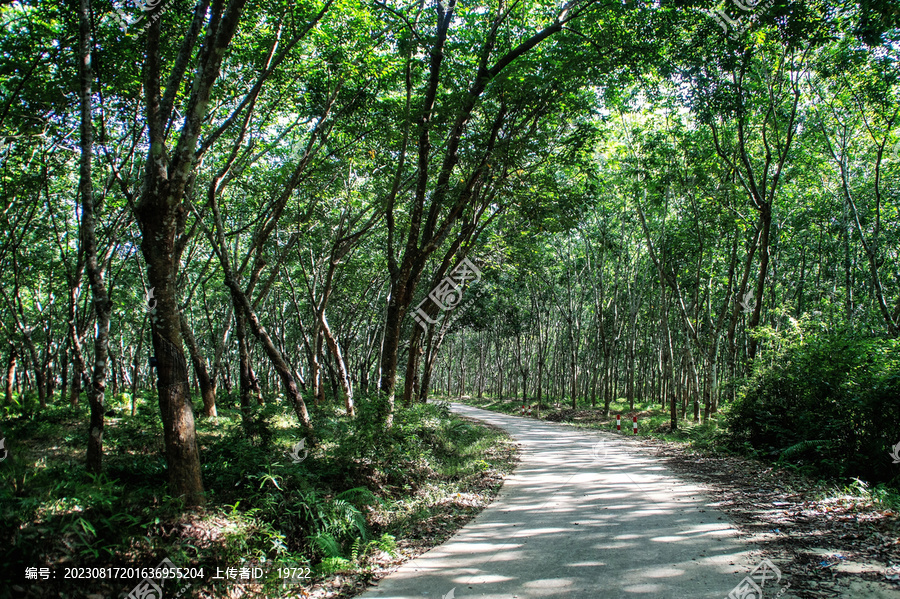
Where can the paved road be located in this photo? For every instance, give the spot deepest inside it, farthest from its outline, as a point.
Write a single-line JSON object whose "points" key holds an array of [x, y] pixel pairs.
{"points": [[581, 520]]}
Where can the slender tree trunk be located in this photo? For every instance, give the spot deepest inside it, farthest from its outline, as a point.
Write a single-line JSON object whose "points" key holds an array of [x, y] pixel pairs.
{"points": [[413, 358], [341, 366], [102, 302], [255, 386], [574, 368], [629, 372], [766, 220], [482, 350], [135, 376], [64, 375], [207, 390], [10, 373], [113, 371], [667, 360], [281, 367], [245, 385], [36, 367]]}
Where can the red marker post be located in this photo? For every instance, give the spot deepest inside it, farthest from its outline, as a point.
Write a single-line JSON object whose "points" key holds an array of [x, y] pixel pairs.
{"points": [[618, 422], [634, 421]]}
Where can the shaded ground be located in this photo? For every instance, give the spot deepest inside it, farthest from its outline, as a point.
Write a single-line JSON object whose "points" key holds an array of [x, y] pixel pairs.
{"points": [[449, 517], [837, 546], [830, 544], [435, 476], [585, 516]]}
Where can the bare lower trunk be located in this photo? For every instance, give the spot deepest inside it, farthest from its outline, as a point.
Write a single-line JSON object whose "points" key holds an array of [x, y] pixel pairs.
{"points": [[389, 354], [38, 372], [10, 373], [766, 219], [254, 385], [245, 383], [135, 372], [414, 356], [281, 367], [93, 266], [574, 367], [207, 391], [341, 366], [75, 391], [172, 384]]}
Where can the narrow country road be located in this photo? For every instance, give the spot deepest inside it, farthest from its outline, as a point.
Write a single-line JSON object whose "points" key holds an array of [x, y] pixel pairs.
{"points": [[585, 516]]}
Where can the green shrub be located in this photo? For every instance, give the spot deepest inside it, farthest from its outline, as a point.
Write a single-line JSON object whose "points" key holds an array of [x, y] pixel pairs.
{"points": [[825, 402]]}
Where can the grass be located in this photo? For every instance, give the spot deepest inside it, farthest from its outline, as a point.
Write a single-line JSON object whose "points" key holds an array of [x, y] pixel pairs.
{"points": [[360, 498]]}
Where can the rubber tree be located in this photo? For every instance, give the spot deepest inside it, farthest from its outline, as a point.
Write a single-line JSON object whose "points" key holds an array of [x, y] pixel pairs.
{"points": [[161, 212]]}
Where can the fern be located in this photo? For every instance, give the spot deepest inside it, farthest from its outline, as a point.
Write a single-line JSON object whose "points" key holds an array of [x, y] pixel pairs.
{"points": [[803, 446], [386, 543], [354, 550], [342, 517], [333, 565], [327, 544], [359, 496]]}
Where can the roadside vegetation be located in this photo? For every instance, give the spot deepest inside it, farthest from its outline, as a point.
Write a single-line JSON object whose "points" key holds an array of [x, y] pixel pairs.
{"points": [[359, 501], [822, 404]]}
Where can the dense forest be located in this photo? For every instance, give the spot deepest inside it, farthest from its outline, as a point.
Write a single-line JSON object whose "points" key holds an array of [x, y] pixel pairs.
{"points": [[232, 219]]}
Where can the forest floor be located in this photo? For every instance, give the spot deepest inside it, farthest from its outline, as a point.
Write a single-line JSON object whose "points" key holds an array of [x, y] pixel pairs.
{"points": [[447, 517], [413, 489], [831, 541], [828, 541], [833, 544]]}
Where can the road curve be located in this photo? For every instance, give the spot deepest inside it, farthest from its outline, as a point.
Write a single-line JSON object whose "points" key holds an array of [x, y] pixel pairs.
{"points": [[586, 515]]}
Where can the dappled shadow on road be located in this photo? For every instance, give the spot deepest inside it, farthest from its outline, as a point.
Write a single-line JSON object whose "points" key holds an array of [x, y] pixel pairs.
{"points": [[584, 516]]}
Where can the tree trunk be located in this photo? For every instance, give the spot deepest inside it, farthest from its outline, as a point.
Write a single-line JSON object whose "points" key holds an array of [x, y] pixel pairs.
{"points": [[102, 302], [245, 384], [64, 375], [207, 390], [10, 373], [765, 217], [281, 367], [390, 349], [255, 385], [135, 376], [341, 366], [36, 366]]}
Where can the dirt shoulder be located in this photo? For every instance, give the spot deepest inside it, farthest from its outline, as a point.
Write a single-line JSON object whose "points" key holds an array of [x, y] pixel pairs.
{"points": [[826, 544]]}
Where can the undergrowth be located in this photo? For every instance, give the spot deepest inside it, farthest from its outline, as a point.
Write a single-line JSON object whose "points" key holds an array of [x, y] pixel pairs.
{"points": [[346, 502]]}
